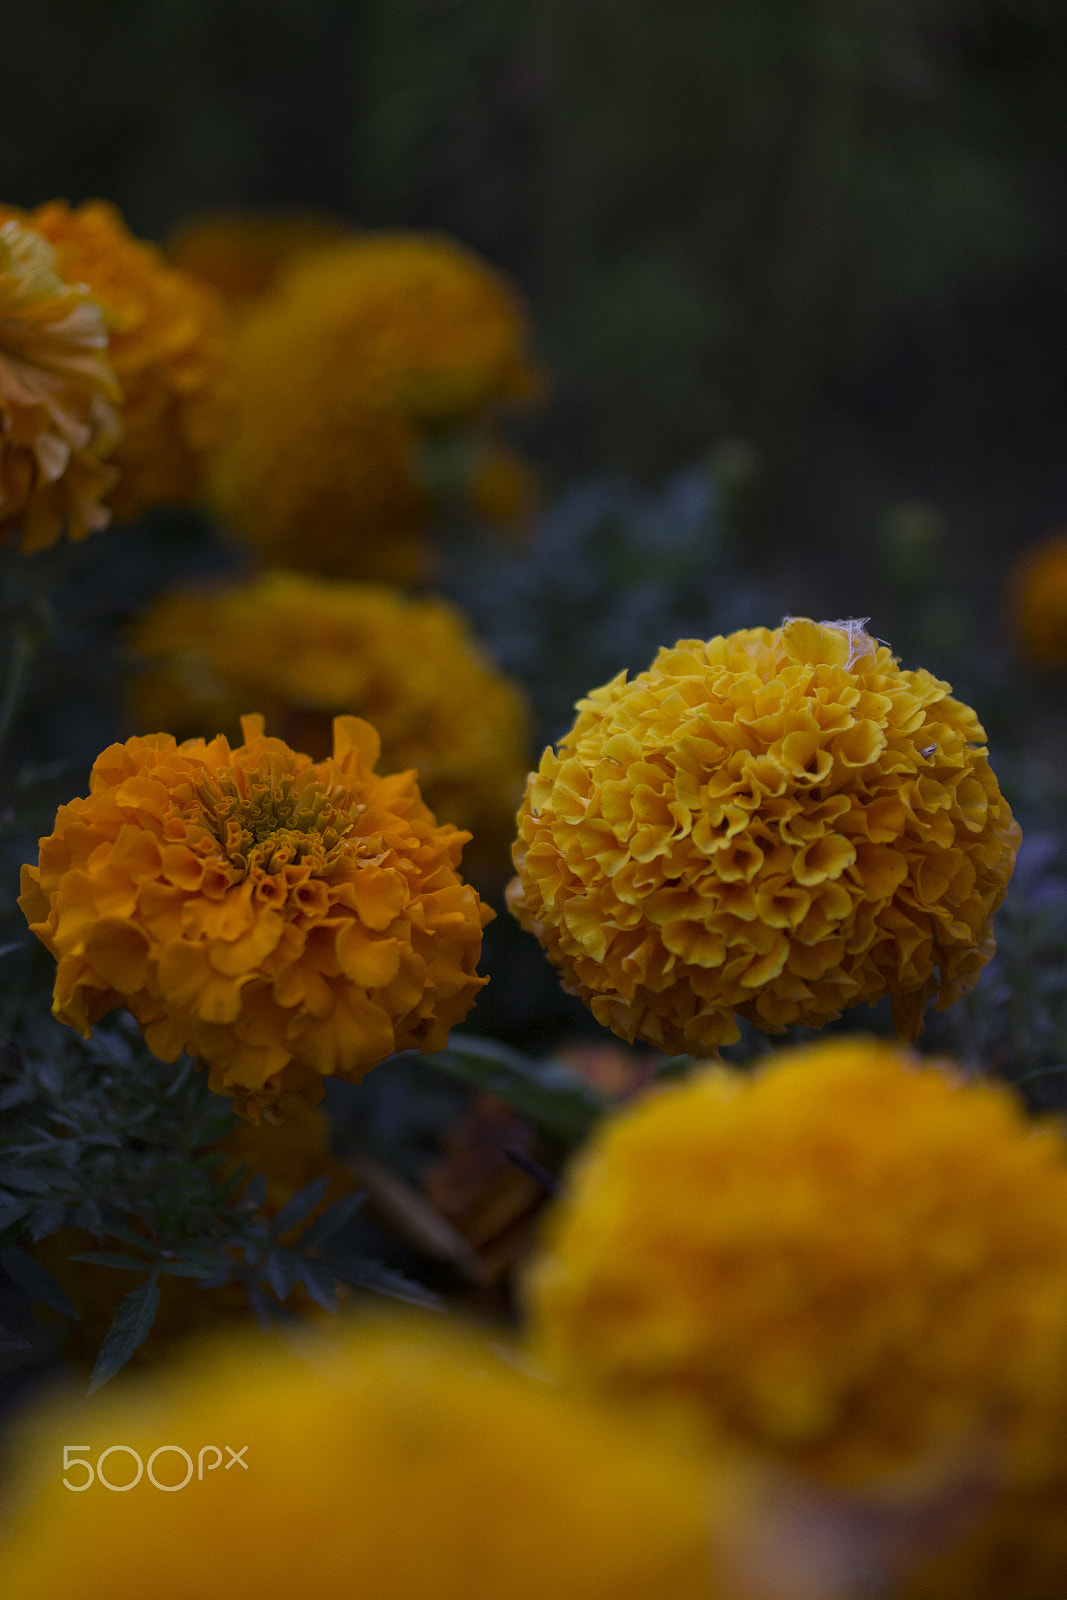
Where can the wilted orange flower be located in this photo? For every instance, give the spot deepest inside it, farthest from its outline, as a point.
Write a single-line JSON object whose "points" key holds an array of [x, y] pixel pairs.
{"points": [[57, 395], [281, 919], [847, 1260], [386, 1462], [242, 254], [1039, 602], [306, 649], [168, 345], [780, 824], [359, 353]]}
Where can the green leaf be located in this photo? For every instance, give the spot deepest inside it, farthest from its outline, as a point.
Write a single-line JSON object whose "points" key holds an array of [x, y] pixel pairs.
{"points": [[131, 1327], [35, 1281], [555, 1099], [363, 1273], [113, 1258], [332, 1220], [283, 1269], [674, 1067], [319, 1283], [294, 1211]]}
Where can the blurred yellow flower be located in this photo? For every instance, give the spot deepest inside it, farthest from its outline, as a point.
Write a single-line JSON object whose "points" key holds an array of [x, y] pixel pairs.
{"points": [[242, 254], [305, 649], [281, 919], [779, 824], [168, 344], [359, 353], [385, 1462], [847, 1260], [289, 1154], [1039, 602], [57, 398]]}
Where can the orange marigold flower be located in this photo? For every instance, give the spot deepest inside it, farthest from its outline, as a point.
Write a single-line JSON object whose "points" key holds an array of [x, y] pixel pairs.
{"points": [[57, 395], [393, 1462], [307, 649], [779, 824], [168, 344], [243, 254], [1039, 602], [281, 919], [846, 1260], [358, 354]]}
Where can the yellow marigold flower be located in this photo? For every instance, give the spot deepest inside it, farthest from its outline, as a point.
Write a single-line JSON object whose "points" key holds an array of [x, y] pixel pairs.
{"points": [[381, 1463], [281, 919], [779, 824], [289, 1154], [57, 395], [306, 649], [242, 254], [846, 1260], [341, 371], [168, 344], [1039, 602]]}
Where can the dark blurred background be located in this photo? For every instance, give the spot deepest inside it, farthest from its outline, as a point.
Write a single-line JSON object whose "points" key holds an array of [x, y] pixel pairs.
{"points": [[823, 240]]}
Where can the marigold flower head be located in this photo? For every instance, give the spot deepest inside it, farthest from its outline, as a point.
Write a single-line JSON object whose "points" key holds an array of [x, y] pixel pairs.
{"points": [[1039, 601], [168, 344], [383, 1462], [243, 254], [281, 919], [360, 352], [846, 1260], [778, 824], [57, 397], [307, 648]]}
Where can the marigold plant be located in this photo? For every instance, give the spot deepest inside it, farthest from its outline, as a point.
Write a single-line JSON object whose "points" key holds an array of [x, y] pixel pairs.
{"points": [[778, 824], [1039, 602], [168, 345], [847, 1260], [281, 919], [384, 1463], [359, 353], [306, 648], [57, 398], [287, 1155]]}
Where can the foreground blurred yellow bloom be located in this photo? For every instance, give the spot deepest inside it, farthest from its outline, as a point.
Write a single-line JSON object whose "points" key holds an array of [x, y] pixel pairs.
{"points": [[383, 1464], [281, 919], [57, 398], [306, 649], [847, 1260], [1039, 602], [360, 352], [242, 254], [779, 824], [168, 345]]}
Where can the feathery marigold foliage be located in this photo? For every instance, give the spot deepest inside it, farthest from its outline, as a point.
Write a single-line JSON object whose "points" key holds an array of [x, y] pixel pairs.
{"points": [[778, 824], [288, 1155], [57, 398], [1039, 602], [282, 920], [243, 254], [848, 1260], [383, 1462], [168, 344], [306, 649], [359, 353]]}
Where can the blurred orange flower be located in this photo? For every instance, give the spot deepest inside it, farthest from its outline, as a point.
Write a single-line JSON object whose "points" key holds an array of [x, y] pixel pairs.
{"points": [[58, 395], [168, 344], [1039, 601], [281, 919], [243, 253]]}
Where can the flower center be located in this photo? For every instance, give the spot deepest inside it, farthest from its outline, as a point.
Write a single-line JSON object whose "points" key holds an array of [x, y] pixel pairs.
{"points": [[270, 820]]}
